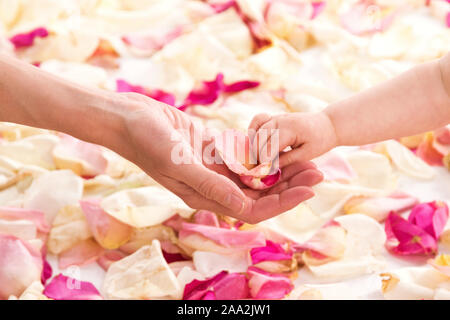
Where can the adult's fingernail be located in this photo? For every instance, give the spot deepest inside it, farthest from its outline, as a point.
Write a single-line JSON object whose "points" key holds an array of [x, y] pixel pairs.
{"points": [[235, 203]]}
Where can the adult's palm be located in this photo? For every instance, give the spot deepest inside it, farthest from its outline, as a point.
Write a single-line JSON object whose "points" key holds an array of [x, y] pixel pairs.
{"points": [[160, 134]]}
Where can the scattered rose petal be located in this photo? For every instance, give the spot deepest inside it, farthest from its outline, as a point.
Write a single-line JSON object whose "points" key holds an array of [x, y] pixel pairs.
{"points": [[224, 237], [223, 286], [108, 257], [109, 232], [431, 217], [318, 8], [157, 94], [81, 254], [47, 272], [36, 216], [441, 263], [144, 274], [271, 252], [66, 288], [264, 285], [430, 151], [20, 265], [405, 238], [85, 159], [147, 44], [365, 17], [328, 242], [443, 135], [380, 207], [273, 258], [206, 218], [23, 40], [335, 167]]}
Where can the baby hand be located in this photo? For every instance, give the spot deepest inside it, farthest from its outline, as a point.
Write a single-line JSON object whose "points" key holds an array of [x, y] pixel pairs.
{"points": [[307, 134]]}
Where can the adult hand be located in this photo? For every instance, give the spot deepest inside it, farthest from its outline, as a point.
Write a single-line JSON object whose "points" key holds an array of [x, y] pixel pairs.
{"points": [[149, 142]]}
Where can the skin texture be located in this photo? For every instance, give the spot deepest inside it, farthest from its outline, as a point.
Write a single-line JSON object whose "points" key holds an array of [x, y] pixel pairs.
{"points": [[411, 103], [140, 129]]}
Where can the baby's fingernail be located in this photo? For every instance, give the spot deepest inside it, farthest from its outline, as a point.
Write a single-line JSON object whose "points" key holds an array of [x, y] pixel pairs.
{"points": [[235, 203]]}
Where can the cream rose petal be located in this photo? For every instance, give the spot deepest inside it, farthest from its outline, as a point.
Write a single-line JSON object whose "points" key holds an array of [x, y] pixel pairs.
{"points": [[364, 248], [142, 275], [52, 191], [144, 207], [414, 283]]}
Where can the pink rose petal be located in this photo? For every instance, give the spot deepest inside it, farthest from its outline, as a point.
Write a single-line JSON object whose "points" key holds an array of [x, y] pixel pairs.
{"points": [[157, 94], [37, 217], [431, 151], [227, 238], [355, 20], [335, 168], [447, 20], [65, 288], [47, 272], [223, 286], [173, 257], [175, 222], [83, 253], [223, 6], [240, 86], [20, 265], [405, 238], [264, 285], [259, 37], [431, 217], [271, 252], [150, 43], [207, 93], [23, 40], [108, 257], [380, 207], [443, 135], [91, 154], [206, 218], [318, 8], [109, 232]]}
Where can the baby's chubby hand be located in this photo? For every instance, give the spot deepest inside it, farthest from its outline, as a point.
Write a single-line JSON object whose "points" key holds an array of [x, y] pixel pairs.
{"points": [[307, 134]]}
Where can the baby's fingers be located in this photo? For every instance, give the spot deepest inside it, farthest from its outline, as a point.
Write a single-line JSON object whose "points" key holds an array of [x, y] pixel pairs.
{"points": [[273, 137], [302, 153]]}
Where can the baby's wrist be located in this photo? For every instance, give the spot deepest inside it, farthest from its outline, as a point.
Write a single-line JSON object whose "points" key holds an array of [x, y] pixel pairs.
{"points": [[332, 136]]}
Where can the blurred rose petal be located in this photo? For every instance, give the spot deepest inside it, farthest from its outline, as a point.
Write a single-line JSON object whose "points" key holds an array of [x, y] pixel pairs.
{"points": [[23, 40]]}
